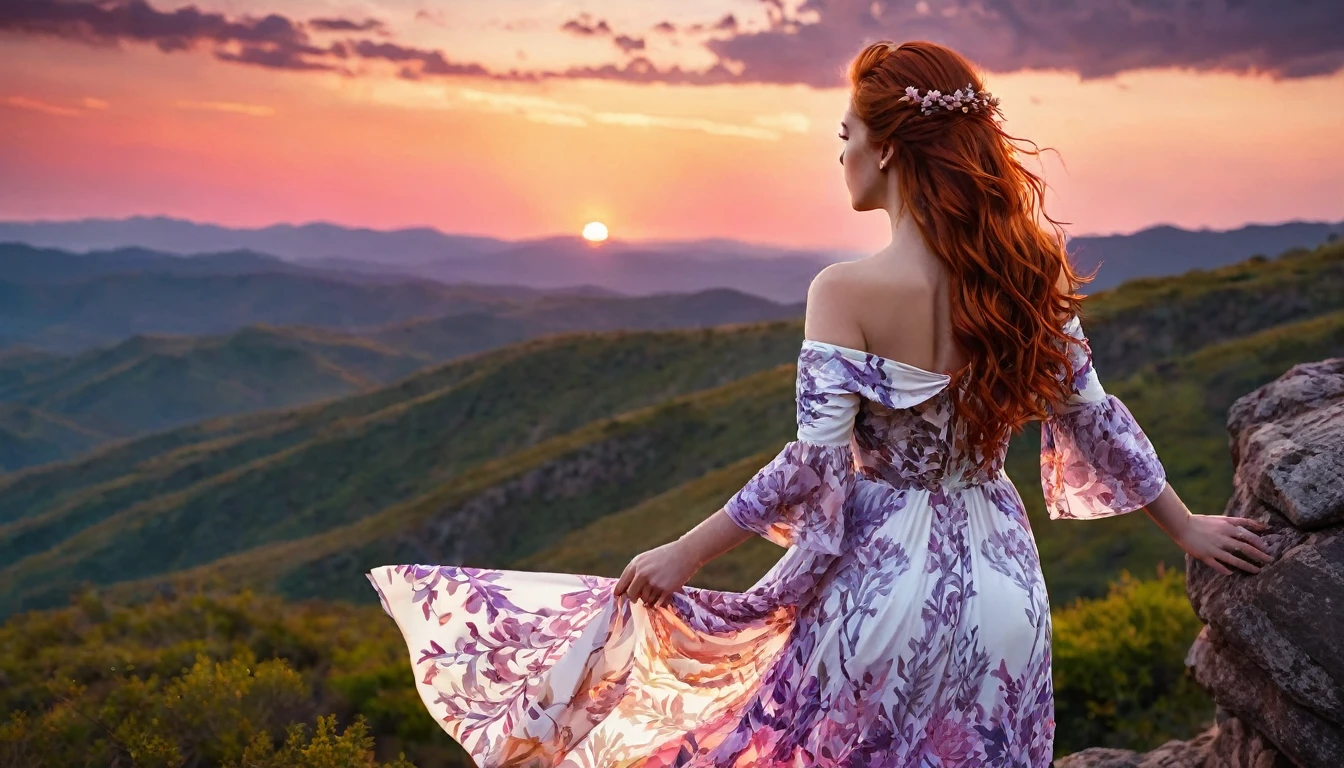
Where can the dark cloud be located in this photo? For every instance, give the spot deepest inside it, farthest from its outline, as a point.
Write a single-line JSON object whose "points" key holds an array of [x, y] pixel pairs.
{"points": [[628, 44], [811, 45], [137, 20], [346, 25], [419, 62], [726, 24], [371, 49], [1095, 39], [268, 41], [276, 57], [586, 27]]}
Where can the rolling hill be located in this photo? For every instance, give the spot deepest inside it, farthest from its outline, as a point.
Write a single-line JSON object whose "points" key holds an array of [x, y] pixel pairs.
{"points": [[506, 513], [573, 451], [30, 436], [150, 383], [311, 469], [443, 338]]}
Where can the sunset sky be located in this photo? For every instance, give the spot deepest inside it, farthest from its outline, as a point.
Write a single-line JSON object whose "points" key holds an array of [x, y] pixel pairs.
{"points": [[666, 120]]}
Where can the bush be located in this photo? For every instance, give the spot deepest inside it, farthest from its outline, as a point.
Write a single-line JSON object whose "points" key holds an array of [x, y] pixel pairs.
{"points": [[1119, 667], [211, 680]]}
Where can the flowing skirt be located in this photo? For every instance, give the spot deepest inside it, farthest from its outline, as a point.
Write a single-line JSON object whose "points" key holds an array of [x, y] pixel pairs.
{"points": [[925, 643]]}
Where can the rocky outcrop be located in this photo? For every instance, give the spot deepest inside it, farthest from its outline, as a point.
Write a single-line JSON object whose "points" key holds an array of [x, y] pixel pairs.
{"points": [[1271, 652]]}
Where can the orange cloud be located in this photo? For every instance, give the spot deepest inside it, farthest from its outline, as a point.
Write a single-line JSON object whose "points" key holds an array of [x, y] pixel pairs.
{"points": [[36, 105], [255, 110]]}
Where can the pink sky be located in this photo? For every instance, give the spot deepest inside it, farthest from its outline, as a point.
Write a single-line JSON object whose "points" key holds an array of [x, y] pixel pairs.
{"points": [[111, 128]]}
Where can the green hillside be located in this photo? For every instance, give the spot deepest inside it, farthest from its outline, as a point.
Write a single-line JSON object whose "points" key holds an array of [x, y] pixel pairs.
{"points": [[1182, 408], [1152, 319], [507, 513], [524, 456], [186, 497], [444, 338], [29, 434], [149, 383]]}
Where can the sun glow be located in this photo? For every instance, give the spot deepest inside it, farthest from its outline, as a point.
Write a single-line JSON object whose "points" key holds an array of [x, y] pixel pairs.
{"points": [[595, 232]]}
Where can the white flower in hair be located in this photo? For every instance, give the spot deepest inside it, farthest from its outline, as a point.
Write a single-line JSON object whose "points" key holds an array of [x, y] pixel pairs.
{"points": [[963, 99]]}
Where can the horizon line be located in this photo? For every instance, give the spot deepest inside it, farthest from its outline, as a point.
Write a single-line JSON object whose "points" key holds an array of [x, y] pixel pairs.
{"points": [[572, 236]]}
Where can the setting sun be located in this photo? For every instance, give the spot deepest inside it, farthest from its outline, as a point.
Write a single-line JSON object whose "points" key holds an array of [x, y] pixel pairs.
{"points": [[595, 231]]}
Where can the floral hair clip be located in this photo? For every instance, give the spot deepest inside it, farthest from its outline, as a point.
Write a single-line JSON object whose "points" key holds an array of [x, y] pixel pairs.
{"points": [[965, 99]]}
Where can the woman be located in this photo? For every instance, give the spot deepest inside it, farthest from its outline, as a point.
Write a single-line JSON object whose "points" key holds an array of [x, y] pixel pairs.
{"points": [[907, 624]]}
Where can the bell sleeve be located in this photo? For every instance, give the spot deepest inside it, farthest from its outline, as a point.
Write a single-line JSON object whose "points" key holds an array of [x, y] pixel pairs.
{"points": [[1095, 460], [799, 498]]}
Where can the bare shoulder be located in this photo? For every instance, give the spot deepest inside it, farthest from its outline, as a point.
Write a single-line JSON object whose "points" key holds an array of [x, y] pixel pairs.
{"points": [[831, 299]]}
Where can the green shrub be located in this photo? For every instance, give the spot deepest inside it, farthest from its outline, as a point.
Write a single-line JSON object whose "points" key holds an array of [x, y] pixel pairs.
{"points": [[1119, 667], [203, 680]]}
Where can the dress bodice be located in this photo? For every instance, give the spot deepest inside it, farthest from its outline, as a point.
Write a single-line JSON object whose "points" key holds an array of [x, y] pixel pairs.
{"points": [[864, 417], [902, 431]]}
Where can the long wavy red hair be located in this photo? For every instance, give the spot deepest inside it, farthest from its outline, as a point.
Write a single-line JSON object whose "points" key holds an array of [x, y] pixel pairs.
{"points": [[979, 209]]}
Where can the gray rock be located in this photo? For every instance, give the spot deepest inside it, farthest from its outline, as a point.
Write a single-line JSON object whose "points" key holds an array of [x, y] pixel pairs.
{"points": [[1288, 443], [1173, 754], [1289, 618], [1246, 691]]}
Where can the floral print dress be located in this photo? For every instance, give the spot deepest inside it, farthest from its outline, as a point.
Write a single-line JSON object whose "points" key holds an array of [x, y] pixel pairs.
{"points": [[907, 625]]}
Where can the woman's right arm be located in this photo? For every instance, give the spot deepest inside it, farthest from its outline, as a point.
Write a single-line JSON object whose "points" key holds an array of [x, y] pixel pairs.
{"points": [[652, 577], [798, 498], [714, 536]]}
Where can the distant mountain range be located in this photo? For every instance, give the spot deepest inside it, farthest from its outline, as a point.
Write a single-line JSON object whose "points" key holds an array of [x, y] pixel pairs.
{"points": [[547, 263], [636, 268], [577, 450]]}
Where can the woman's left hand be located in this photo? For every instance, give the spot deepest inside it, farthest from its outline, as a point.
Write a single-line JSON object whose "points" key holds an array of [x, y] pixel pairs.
{"points": [[654, 576]]}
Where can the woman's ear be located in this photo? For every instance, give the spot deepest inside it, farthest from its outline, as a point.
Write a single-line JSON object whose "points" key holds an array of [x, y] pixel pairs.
{"points": [[888, 154]]}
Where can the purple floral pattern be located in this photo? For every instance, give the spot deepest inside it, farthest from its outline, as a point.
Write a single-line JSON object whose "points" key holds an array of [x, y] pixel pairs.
{"points": [[1095, 459], [906, 625], [798, 499]]}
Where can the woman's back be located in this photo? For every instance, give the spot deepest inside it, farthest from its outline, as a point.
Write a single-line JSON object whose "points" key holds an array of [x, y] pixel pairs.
{"points": [[896, 305]]}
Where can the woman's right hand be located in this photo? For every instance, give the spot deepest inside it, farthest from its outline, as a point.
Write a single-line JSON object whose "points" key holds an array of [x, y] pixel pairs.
{"points": [[1219, 541]]}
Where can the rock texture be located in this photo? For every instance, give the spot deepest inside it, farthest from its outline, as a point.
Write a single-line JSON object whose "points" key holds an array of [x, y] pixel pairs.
{"points": [[1271, 652]]}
